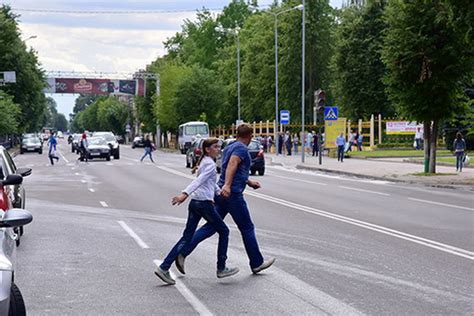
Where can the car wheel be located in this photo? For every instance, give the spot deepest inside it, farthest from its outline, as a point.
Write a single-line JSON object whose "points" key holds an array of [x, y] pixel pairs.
{"points": [[72, 149], [40, 151], [107, 158], [261, 172], [17, 305], [21, 152], [117, 154], [22, 230], [253, 172], [188, 165], [183, 152]]}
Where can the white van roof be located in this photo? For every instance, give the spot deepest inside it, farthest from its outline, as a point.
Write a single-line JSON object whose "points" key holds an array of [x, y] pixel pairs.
{"points": [[194, 123]]}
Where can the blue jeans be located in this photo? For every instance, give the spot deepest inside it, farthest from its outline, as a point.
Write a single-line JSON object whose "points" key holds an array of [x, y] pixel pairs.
{"points": [[340, 153], [459, 160], [197, 210], [237, 207], [147, 152]]}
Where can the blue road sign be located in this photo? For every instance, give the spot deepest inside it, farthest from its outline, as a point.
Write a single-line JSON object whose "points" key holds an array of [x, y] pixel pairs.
{"points": [[331, 113], [284, 117]]}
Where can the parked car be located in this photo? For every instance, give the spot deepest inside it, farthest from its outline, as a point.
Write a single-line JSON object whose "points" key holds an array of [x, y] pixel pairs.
{"points": [[194, 153], [31, 144], [112, 141], [256, 153], [138, 141], [98, 148], [11, 300], [15, 192]]}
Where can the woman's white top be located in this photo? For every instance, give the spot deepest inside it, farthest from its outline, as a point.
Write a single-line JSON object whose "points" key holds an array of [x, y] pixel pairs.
{"points": [[204, 187]]}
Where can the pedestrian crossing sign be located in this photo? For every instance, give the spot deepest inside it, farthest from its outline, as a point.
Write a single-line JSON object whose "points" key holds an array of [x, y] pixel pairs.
{"points": [[331, 113]]}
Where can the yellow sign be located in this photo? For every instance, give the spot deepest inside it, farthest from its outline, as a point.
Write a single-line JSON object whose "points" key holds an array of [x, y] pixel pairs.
{"points": [[332, 130]]}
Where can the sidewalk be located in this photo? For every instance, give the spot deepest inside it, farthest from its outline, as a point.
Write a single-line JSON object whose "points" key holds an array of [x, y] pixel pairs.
{"points": [[380, 170]]}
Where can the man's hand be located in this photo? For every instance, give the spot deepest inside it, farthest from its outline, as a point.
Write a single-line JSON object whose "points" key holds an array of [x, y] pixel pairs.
{"points": [[225, 192], [179, 199], [254, 184]]}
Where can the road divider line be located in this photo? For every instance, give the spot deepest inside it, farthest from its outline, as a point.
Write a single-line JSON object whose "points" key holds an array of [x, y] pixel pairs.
{"points": [[83, 181], [132, 234], [442, 204], [362, 190], [197, 305], [65, 159], [384, 230], [299, 180], [103, 204], [77, 173], [92, 190]]}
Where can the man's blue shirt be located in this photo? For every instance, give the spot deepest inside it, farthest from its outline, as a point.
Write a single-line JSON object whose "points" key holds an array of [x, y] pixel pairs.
{"points": [[242, 174]]}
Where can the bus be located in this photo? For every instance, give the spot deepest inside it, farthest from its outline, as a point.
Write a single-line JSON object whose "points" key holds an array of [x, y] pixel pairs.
{"points": [[189, 131]]}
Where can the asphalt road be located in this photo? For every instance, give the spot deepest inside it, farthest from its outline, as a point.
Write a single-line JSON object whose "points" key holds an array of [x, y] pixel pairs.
{"points": [[343, 245]]}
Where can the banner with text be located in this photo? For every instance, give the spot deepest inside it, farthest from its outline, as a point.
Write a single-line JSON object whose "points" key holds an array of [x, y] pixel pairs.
{"points": [[402, 128], [95, 86]]}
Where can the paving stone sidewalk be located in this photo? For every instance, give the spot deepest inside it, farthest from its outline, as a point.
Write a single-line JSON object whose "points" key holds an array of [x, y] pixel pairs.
{"points": [[382, 169]]}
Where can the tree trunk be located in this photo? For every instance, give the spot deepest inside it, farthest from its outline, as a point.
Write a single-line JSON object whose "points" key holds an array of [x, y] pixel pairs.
{"points": [[433, 141], [426, 144]]}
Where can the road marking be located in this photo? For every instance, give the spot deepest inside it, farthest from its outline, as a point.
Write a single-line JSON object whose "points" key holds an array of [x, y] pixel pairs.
{"points": [[443, 204], [83, 181], [299, 180], [132, 234], [109, 164], [198, 306], [65, 159], [92, 190], [77, 173], [384, 230], [103, 204], [362, 190]]}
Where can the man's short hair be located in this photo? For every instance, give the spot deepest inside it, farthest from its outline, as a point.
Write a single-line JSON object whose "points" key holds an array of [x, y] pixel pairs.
{"points": [[244, 130]]}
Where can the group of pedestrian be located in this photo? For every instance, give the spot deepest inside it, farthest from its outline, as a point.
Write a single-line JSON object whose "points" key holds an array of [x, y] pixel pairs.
{"points": [[213, 202], [266, 142], [354, 139], [290, 143]]}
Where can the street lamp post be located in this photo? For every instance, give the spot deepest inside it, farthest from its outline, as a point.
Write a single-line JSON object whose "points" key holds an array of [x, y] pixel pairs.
{"points": [[275, 15], [234, 31], [302, 80]]}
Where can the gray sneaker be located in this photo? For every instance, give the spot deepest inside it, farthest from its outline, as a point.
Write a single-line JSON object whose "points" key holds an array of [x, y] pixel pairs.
{"points": [[179, 262], [227, 272], [265, 265], [165, 276]]}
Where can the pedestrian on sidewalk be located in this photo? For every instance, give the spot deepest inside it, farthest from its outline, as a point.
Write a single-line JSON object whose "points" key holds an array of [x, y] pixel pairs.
{"points": [[359, 139], [459, 147], [418, 138], [309, 141], [316, 145], [351, 140], [295, 143], [280, 143], [83, 148], [234, 178], [52, 142], [340, 142], [288, 143], [269, 143], [203, 190], [148, 149]]}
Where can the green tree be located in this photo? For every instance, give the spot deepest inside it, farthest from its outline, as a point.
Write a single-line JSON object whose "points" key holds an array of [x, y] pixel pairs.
{"points": [[9, 113], [428, 52], [357, 65], [27, 92], [112, 115], [60, 123]]}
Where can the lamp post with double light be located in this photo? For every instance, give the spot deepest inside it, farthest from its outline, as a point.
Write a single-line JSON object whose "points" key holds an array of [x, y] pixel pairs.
{"points": [[234, 31]]}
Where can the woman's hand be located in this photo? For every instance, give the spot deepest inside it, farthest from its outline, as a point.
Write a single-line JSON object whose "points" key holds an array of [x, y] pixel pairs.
{"points": [[179, 199]]}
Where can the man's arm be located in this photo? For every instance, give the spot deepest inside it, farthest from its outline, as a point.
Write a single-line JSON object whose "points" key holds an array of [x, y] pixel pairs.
{"points": [[232, 166]]}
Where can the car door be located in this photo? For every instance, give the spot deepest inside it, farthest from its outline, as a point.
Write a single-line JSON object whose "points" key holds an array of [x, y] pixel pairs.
{"points": [[17, 192]]}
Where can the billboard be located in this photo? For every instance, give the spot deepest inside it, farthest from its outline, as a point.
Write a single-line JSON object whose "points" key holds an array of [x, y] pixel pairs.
{"points": [[332, 129], [95, 86], [402, 128]]}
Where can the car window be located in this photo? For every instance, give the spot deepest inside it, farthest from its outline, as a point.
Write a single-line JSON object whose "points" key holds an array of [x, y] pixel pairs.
{"points": [[9, 163], [253, 145], [97, 141], [196, 129]]}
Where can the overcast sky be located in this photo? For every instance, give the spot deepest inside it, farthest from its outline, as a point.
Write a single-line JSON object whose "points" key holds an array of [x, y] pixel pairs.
{"points": [[104, 42]]}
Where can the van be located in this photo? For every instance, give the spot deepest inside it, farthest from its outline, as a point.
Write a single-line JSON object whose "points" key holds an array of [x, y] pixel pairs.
{"points": [[188, 132]]}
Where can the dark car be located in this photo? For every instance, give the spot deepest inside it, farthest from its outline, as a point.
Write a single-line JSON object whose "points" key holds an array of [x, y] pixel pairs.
{"points": [[31, 144], [16, 192], [138, 141], [194, 153], [98, 148], [256, 153], [112, 141]]}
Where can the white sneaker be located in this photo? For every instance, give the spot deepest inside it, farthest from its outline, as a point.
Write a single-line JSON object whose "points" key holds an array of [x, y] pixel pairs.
{"points": [[165, 276], [265, 265]]}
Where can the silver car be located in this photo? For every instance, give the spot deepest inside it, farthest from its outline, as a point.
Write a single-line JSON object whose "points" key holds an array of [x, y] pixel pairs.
{"points": [[11, 300]]}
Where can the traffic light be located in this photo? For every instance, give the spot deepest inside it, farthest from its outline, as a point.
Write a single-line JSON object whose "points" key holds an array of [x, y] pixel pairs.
{"points": [[319, 104]]}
